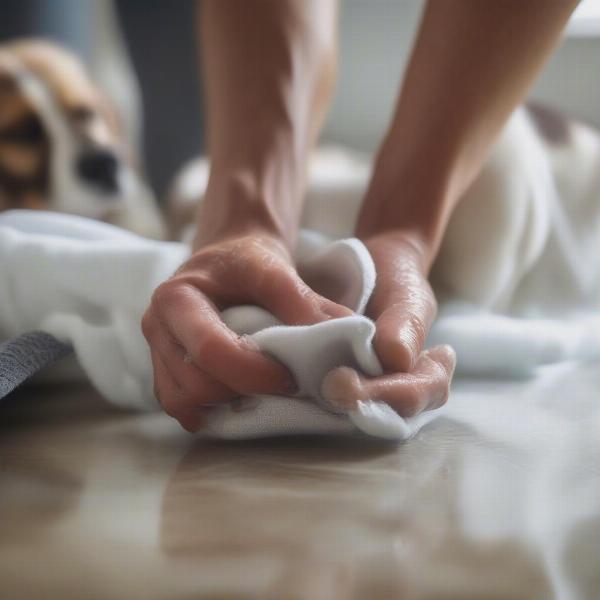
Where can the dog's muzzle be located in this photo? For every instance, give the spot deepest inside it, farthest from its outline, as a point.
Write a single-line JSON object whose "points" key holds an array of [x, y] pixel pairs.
{"points": [[99, 168]]}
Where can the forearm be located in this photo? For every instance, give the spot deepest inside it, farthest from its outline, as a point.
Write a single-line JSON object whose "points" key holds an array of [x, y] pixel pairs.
{"points": [[473, 62], [268, 71]]}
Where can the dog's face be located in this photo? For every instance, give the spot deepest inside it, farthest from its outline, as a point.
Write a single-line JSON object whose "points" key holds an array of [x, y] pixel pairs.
{"points": [[60, 145]]}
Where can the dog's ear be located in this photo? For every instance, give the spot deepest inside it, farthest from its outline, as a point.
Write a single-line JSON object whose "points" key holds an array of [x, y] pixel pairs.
{"points": [[8, 84], [69, 80], [64, 73], [7, 79]]}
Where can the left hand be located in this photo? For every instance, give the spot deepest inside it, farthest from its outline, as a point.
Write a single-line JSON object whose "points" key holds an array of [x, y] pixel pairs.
{"points": [[403, 307]]}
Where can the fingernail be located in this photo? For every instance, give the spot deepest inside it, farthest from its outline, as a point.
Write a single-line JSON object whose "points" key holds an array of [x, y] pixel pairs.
{"points": [[342, 388]]}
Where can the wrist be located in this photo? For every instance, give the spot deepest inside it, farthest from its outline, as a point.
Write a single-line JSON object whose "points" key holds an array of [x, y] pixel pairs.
{"points": [[238, 202], [409, 199]]}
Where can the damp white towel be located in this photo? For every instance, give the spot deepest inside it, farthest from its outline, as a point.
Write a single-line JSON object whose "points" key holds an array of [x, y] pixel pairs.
{"points": [[518, 279]]}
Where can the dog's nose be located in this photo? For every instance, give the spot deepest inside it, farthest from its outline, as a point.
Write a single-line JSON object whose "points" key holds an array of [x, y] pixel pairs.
{"points": [[99, 168]]}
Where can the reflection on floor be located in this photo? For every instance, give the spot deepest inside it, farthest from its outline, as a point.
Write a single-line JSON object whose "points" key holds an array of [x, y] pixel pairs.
{"points": [[499, 498]]}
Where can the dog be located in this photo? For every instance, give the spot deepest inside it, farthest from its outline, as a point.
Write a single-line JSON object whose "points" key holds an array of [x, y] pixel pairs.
{"points": [[61, 147]]}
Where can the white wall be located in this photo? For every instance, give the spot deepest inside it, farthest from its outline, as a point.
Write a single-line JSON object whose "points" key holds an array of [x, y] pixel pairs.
{"points": [[375, 39], [571, 80]]}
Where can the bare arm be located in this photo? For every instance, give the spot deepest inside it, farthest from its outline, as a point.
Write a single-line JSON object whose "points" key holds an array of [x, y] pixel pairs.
{"points": [[472, 63], [269, 68], [269, 71]]}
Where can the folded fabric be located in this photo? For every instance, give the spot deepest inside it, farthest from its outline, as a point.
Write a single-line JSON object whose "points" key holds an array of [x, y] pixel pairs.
{"points": [[24, 356]]}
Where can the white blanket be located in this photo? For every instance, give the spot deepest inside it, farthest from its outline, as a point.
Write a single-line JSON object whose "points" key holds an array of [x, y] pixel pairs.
{"points": [[89, 283]]}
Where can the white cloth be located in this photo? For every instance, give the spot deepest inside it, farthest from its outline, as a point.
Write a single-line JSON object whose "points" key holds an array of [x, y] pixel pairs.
{"points": [[310, 352], [531, 300]]}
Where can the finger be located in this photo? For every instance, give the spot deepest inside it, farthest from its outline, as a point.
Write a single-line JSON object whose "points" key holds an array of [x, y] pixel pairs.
{"points": [[201, 388], [403, 305], [233, 360], [292, 301], [173, 400], [426, 388], [400, 334]]}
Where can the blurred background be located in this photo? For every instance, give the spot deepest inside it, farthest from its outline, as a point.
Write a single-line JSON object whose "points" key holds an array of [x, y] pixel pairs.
{"points": [[144, 54]]}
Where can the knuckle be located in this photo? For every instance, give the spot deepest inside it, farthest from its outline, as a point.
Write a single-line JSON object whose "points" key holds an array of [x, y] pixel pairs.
{"points": [[147, 324], [168, 293]]}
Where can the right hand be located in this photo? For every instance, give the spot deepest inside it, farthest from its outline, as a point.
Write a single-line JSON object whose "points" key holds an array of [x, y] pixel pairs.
{"points": [[197, 360]]}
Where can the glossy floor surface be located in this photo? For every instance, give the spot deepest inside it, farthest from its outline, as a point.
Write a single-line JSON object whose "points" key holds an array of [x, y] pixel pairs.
{"points": [[499, 498]]}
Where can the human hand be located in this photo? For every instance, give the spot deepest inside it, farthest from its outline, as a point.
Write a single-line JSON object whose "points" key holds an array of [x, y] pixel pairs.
{"points": [[197, 360], [403, 307]]}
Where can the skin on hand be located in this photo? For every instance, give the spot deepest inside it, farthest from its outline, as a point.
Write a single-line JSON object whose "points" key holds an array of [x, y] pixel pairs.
{"points": [[471, 65], [268, 70], [403, 307], [426, 387], [197, 360]]}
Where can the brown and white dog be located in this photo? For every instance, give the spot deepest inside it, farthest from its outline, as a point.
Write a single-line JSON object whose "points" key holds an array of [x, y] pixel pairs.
{"points": [[60, 144]]}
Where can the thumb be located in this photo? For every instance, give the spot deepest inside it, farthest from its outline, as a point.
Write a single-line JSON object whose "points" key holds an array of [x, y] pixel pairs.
{"points": [[288, 298], [403, 305], [404, 311], [401, 332]]}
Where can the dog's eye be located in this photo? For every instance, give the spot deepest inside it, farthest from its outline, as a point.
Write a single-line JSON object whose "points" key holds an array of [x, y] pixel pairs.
{"points": [[82, 114], [29, 132]]}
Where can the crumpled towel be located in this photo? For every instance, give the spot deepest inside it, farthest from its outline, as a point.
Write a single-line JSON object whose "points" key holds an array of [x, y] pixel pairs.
{"points": [[310, 352]]}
